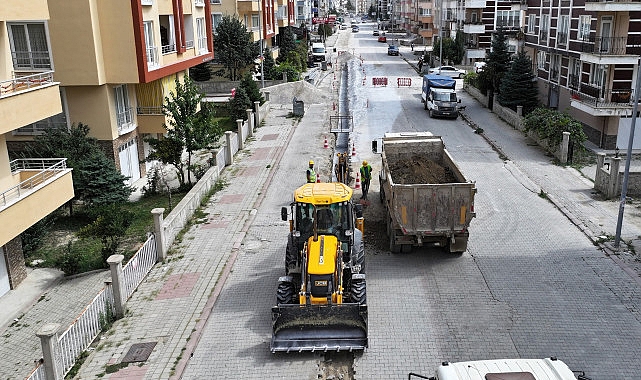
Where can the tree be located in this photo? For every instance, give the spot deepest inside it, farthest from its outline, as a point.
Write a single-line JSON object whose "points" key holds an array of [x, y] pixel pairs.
{"points": [[200, 72], [287, 41], [518, 87], [96, 180], [234, 46], [248, 84], [498, 60], [239, 104], [110, 222], [188, 129], [268, 65]]}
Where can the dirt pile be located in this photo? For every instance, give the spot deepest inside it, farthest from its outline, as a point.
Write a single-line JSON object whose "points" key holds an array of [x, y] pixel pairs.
{"points": [[420, 169]]}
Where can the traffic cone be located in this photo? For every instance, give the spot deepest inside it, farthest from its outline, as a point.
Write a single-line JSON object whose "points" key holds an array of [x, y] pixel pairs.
{"points": [[317, 178], [358, 182], [326, 144], [353, 150]]}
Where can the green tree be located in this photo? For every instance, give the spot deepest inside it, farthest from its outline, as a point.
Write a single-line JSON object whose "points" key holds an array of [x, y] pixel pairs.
{"points": [[250, 86], [110, 222], [498, 61], [550, 124], [239, 104], [268, 64], [188, 129], [200, 72], [287, 41], [96, 180], [233, 46], [518, 87]]}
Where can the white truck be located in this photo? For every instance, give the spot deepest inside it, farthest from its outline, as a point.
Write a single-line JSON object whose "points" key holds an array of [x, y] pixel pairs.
{"points": [[438, 95], [427, 197], [318, 51], [506, 369]]}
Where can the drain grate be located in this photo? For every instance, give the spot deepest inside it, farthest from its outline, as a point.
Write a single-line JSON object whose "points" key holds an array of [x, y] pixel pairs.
{"points": [[139, 352]]}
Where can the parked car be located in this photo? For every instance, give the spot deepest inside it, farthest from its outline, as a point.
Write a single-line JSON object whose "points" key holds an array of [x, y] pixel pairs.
{"points": [[354, 28], [392, 50], [343, 27], [375, 32], [478, 66], [382, 39], [449, 71]]}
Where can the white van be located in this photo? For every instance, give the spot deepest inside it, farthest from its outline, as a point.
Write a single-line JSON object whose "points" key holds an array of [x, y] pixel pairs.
{"points": [[318, 51]]}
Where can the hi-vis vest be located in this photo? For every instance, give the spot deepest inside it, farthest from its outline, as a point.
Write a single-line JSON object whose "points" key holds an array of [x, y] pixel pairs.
{"points": [[312, 176]]}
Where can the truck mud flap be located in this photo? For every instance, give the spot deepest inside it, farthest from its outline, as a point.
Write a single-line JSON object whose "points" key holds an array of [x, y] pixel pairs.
{"points": [[298, 328]]}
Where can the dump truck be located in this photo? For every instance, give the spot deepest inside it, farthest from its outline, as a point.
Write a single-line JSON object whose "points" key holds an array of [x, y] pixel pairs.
{"points": [[427, 197], [321, 300], [505, 369], [438, 95]]}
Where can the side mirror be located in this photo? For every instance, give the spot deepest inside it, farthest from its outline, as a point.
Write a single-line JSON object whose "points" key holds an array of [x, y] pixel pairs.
{"points": [[283, 213], [358, 210], [459, 100]]}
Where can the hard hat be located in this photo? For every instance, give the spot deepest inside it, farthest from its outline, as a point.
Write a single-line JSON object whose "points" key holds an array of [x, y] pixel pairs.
{"points": [[364, 163], [311, 162]]}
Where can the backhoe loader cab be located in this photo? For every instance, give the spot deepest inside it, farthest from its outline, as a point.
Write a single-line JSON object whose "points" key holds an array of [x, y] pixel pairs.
{"points": [[321, 303]]}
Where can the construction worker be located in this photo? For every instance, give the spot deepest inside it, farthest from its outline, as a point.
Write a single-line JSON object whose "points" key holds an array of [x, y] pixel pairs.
{"points": [[341, 168], [311, 174], [366, 177]]}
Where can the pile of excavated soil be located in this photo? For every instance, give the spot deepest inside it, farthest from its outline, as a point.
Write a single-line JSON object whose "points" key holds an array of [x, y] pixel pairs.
{"points": [[420, 169]]}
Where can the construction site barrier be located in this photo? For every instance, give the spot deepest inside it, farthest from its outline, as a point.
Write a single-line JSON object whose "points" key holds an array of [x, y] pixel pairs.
{"points": [[381, 81], [404, 82]]}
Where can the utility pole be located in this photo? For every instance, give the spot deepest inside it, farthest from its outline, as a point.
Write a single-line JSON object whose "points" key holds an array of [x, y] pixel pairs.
{"points": [[626, 174], [440, 40]]}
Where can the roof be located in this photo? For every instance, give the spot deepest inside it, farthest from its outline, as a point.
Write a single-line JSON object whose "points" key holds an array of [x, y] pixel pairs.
{"points": [[506, 369]]}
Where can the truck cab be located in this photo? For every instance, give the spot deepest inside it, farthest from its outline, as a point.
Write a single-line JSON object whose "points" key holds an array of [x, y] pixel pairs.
{"points": [[508, 369], [439, 96], [318, 52]]}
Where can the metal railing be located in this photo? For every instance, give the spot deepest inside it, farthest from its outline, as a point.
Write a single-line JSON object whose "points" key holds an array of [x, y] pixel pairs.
{"points": [[152, 56], [139, 265], [27, 82], [171, 48], [85, 328], [47, 168], [189, 44], [199, 3], [628, 45], [32, 60], [149, 110], [601, 98], [38, 373]]}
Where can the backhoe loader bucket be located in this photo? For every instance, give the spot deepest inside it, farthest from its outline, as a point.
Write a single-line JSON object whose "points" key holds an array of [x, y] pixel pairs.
{"points": [[338, 327]]}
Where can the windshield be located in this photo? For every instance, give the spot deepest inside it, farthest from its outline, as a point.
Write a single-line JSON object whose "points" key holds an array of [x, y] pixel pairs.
{"points": [[445, 96], [318, 50], [330, 219]]}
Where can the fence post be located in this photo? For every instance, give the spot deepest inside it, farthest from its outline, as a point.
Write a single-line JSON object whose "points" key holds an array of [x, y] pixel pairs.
{"points": [[117, 280], [266, 94], [250, 123], [161, 255], [565, 142], [228, 154], [257, 114], [519, 110], [48, 335], [239, 123], [614, 190]]}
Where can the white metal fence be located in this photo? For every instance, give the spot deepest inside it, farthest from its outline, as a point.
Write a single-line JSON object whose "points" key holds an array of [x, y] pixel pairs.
{"points": [[84, 329], [139, 265], [38, 373]]}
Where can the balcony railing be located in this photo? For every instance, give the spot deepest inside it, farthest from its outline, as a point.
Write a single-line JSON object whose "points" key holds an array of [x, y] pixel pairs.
{"points": [[149, 110], [31, 60], [152, 56], [47, 168], [171, 48], [573, 81], [628, 45], [543, 35], [189, 44], [199, 3], [602, 98], [11, 86]]}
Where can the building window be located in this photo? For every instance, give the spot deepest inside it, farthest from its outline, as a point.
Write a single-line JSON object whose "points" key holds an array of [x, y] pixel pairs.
{"points": [[543, 29], [540, 60], [200, 34], [255, 22], [215, 2], [150, 45], [508, 19], [216, 18], [167, 34], [584, 27], [124, 114], [562, 30], [474, 17], [29, 47], [531, 23], [555, 67], [574, 76]]}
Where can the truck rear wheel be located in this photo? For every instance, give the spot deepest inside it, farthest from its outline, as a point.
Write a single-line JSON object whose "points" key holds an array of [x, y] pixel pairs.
{"points": [[393, 247]]}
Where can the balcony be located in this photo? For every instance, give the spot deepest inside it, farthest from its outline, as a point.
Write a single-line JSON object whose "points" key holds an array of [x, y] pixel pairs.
{"points": [[248, 6], [611, 50], [18, 96], [600, 102], [475, 53], [476, 28], [426, 19], [151, 119], [426, 33], [475, 4], [613, 5], [42, 185]]}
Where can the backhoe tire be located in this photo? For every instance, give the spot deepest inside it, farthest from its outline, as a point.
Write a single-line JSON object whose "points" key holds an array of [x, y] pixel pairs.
{"points": [[285, 293], [291, 254], [359, 292]]}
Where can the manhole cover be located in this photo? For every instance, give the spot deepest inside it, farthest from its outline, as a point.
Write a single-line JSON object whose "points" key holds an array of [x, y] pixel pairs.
{"points": [[139, 352]]}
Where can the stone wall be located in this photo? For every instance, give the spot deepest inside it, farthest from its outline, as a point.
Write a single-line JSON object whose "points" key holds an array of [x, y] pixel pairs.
{"points": [[15, 262]]}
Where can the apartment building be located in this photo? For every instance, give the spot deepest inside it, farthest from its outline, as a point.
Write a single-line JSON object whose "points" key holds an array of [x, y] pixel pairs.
{"points": [[426, 26], [30, 189], [586, 56], [116, 61]]}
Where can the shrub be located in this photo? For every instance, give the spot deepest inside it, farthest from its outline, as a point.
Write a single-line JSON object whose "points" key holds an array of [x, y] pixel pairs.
{"points": [[550, 124]]}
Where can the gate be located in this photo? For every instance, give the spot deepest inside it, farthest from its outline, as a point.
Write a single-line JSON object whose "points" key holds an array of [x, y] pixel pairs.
{"points": [[404, 82]]}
